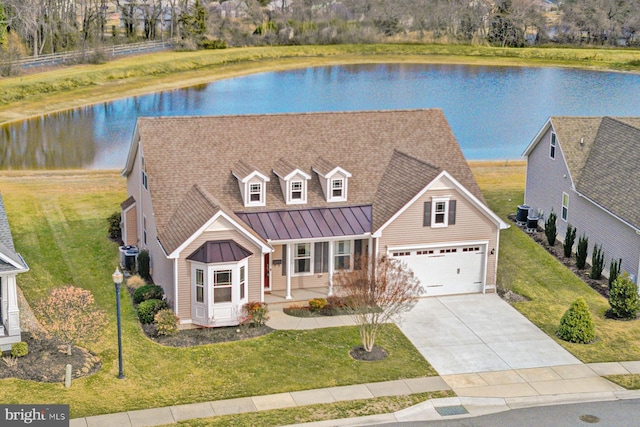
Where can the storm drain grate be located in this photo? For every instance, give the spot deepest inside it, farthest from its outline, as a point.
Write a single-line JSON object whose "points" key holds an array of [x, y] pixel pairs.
{"points": [[451, 410]]}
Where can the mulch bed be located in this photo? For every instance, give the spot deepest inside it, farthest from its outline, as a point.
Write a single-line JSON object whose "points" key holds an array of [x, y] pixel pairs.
{"points": [[202, 336], [376, 353], [601, 286], [47, 361]]}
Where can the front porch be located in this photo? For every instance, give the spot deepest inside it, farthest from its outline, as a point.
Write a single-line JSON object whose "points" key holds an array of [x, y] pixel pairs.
{"points": [[298, 296]]}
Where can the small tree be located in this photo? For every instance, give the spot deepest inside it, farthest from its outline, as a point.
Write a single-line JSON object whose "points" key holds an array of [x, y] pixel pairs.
{"points": [[597, 262], [144, 268], [70, 314], [576, 325], [581, 251], [623, 297], [550, 228], [376, 293], [614, 271], [569, 240]]}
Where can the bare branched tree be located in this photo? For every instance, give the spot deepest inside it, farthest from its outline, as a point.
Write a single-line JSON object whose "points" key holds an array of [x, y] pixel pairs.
{"points": [[376, 293]]}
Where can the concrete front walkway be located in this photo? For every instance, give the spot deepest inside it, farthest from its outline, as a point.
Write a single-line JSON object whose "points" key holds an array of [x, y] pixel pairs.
{"points": [[479, 333]]}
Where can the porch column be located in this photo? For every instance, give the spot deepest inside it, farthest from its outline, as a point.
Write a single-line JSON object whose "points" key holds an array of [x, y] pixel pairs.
{"points": [[331, 269], [288, 267], [13, 313]]}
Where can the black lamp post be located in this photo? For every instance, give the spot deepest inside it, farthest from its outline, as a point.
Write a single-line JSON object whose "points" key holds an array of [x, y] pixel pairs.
{"points": [[117, 280]]}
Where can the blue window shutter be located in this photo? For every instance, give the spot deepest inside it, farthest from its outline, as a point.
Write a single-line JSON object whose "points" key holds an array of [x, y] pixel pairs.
{"points": [[452, 212], [284, 260], [427, 214]]}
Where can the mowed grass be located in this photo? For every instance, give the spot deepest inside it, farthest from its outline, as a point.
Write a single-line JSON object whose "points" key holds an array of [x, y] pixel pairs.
{"points": [[59, 224], [79, 85], [534, 273]]}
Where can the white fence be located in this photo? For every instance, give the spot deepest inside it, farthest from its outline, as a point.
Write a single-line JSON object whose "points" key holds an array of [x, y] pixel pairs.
{"points": [[122, 49]]}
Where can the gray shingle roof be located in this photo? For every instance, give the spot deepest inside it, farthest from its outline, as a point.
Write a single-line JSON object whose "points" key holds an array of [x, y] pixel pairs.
{"points": [[183, 151], [603, 154], [6, 243]]}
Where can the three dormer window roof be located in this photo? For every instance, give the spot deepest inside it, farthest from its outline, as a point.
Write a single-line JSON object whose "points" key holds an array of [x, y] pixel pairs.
{"points": [[294, 182]]}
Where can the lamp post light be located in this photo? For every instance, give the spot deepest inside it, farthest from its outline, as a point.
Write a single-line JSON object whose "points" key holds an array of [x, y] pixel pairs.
{"points": [[117, 281]]}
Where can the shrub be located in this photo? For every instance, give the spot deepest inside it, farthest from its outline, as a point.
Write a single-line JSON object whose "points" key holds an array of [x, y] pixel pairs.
{"points": [[212, 44], [147, 292], [577, 324], [317, 304], [581, 251], [569, 240], [166, 322], [257, 312], [614, 271], [19, 349], [135, 282], [335, 301], [114, 231], [550, 228], [143, 265], [148, 309], [597, 262], [623, 297]]}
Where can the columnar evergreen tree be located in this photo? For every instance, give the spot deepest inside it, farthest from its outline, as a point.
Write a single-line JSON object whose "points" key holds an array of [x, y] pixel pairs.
{"points": [[597, 262], [581, 252], [550, 229], [569, 240], [614, 271]]}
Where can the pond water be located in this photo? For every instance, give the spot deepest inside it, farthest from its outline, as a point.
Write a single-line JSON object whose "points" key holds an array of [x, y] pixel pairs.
{"points": [[493, 111]]}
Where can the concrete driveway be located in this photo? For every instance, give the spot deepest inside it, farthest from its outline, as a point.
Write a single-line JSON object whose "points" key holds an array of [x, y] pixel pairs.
{"points": [[479, 333]]}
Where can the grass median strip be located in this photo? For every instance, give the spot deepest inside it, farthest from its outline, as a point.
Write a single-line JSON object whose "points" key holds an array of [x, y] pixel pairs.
{"points": [[321, 412]]}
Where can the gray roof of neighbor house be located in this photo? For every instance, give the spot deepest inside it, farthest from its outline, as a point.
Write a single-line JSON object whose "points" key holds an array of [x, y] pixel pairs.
{"points": [[391, 155], [603, 154], [6, 245]]}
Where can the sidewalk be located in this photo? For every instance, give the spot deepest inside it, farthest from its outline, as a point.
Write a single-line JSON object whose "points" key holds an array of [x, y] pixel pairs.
{"points": [[477, 393]]}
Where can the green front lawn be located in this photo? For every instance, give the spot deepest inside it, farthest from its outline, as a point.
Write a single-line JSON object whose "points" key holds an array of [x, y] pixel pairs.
{"points": [[534, 273], [59, 225]]}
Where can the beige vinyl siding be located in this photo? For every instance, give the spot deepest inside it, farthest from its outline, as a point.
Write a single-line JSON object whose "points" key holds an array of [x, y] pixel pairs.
{"points": [[279, 282], [131, 226], [254, 274], [471, 225]]}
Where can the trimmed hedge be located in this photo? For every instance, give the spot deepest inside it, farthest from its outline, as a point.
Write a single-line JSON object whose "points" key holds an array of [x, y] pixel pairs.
{"points": [[147, 292]]}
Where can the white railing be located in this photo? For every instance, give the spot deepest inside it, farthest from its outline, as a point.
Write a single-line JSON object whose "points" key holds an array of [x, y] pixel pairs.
{"points": [[122, 49]]}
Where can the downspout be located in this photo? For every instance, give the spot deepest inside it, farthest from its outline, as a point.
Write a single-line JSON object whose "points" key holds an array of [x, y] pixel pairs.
{"points": [[175, 285]]}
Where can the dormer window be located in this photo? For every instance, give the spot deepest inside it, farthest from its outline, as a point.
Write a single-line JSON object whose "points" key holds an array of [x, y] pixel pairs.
{"points": [[296, 190], [255, 193], [293, 182], [337, 188], [333, 180], [252, 184]]}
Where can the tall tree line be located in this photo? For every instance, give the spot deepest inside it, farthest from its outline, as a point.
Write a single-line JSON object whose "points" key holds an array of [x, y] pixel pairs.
{"points": [[46, 26]]}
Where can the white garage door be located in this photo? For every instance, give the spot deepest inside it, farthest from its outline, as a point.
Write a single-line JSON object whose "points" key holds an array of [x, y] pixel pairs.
{"points": [[446, 270]]}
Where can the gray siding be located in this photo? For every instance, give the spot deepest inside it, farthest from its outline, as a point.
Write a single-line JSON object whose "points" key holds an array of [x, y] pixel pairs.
{"points": [[547, 179]]}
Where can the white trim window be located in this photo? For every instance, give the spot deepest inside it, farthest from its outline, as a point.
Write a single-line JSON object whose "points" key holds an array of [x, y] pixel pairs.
{"points": [[255, 193], [337, 188], [343, 255], [439, 212], [199, 284], [565, 206], [552, 146], [296, 193], [222, 281], [242, 282], [302, 256], [143, 169]]}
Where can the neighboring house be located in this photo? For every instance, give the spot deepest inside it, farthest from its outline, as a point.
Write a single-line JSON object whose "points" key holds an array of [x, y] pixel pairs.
{"points": [[11, 263], [231, 207], [586, 170]]}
